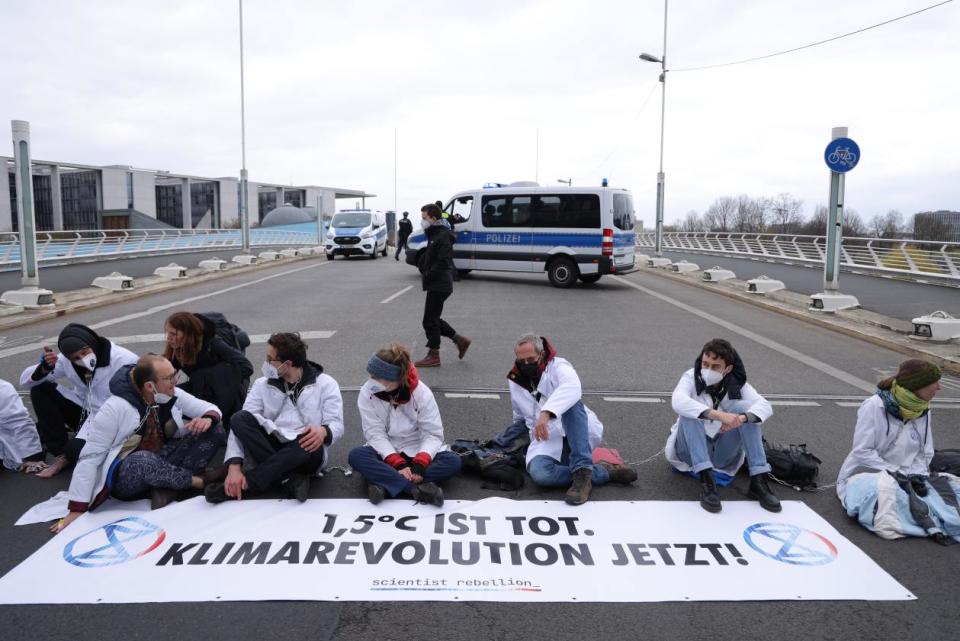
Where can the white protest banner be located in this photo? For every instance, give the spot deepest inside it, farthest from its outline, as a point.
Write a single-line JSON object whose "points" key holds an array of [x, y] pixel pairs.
{"points": [[490, 550]]}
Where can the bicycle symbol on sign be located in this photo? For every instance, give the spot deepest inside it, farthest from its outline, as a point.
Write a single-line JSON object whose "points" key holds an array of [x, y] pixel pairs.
{"points": [[843, 155]]}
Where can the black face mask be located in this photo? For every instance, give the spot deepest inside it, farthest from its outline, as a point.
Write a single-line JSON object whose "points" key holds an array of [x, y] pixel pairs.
{"points": [[530, 370]]}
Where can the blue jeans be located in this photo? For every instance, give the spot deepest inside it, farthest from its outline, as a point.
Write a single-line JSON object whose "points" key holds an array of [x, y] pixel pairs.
{"points": [[506, 438], [577, 454], [366, 461], [694, 448]]}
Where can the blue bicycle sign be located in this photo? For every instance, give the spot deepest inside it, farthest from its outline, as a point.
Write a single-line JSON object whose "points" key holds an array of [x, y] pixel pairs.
{"points": [[842, 155]]}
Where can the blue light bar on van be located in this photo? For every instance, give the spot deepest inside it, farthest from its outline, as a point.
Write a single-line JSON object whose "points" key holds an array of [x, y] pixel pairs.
{"points": [[493, 185], [603, 183]]}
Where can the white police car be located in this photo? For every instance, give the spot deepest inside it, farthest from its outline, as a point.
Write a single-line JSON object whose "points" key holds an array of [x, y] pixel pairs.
{"points": [[356, 232], [568, 232]]}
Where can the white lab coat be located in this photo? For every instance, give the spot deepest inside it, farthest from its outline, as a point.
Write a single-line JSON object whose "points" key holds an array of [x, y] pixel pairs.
{"points": [[559, 390], [409, 429], [18, 433], [688, 404], [109, 429], [89, 397], [319, 403], [883, 442]]}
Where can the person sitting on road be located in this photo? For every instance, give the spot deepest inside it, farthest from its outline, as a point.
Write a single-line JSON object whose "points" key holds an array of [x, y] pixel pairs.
{"points": [[292, 416], [68, 387], [545, 393], [404, 451], [218, 372], [719, 425], [20, 447], [885, 482], [140, 444]]}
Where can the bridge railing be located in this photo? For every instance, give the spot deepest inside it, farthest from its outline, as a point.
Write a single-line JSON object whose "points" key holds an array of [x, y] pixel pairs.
{"points": [[905, 257], [65, 246]]}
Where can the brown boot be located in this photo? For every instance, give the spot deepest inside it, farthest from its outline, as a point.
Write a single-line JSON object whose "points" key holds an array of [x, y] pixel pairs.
{"points": [[463, 344], [579, 490], [432, 359], [619, 473]]}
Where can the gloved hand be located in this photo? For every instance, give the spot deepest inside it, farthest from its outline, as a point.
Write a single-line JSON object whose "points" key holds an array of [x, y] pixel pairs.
{"points": [[919, 484]]}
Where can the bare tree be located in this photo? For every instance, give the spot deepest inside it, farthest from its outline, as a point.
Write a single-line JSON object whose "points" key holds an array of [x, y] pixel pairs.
{"points": [[889, 225], [817, 223], [719, 216], [786, 212], [692, 222], [853, 224], [743, 216]]}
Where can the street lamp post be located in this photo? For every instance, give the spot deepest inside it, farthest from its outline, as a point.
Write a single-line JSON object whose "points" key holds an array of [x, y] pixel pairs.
{"points": [[661, 178], [244, 194]]}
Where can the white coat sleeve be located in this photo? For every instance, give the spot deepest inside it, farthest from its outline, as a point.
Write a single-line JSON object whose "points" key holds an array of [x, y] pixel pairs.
{"points": [[234, 448], [684, 399], [517, 405], [759, 406], [102, 431], [921, 464], [254, 404], [26, 378], [331, 408], [567, 392], [374, 427], [429, 424], [871, 425], [195, 407], [18, 433]]}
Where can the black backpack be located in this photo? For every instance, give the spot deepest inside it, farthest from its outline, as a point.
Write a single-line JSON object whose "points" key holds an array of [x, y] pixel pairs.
{"points": [[792, 464], [502, 470], [231, 334], [947, 461]]}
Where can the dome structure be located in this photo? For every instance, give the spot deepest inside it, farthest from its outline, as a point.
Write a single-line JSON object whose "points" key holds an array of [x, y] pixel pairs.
{"points": [[289, 215]]}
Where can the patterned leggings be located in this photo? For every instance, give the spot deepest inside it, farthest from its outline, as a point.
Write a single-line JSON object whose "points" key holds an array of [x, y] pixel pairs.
{"points": [[172, 467]]}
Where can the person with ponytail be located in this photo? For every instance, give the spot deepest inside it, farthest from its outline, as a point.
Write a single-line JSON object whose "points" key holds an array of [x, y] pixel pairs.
{"points": [[404, 452], [885, 482]]}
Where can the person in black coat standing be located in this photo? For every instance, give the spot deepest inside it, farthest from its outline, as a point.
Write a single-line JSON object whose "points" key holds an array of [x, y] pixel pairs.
{"points": [[435, 264], [404, 229]]}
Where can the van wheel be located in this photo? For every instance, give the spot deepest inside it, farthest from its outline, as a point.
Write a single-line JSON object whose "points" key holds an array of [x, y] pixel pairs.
{"points": [[464, 272], [589, 279], [331, 256], [563, 272], [384, 252], [373, 256]]}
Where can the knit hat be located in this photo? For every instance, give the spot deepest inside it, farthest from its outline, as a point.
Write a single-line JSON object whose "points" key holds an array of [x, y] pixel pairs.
{"points": [[76, 337], [915, 374], [382, 370]]}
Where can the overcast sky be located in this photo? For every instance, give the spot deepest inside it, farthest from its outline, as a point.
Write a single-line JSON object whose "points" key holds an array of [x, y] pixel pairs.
{"points": [[467, 84]]}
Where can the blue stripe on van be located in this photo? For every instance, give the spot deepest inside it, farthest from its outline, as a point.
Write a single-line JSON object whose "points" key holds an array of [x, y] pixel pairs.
{"points": [[620, 239]]}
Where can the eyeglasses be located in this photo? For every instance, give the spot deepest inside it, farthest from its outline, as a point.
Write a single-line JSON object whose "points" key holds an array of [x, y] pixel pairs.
{"points": [[168, 379], [529, 361]]}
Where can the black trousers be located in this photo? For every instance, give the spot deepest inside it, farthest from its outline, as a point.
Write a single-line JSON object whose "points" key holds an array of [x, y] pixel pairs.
{"points": [[55, 415], [433, 325], [275, 459], [401, 245]]}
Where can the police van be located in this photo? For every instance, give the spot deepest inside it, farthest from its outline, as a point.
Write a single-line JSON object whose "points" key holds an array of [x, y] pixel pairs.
{"points": [[568, 232], [356, 232]]}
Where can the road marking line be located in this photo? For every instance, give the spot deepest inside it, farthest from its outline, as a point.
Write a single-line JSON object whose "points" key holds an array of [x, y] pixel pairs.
{"points": [[848, 404], [631, 399], [796, 403], [23, 349], [481, 396], [402, 291], [829, 370], [254, 338]]}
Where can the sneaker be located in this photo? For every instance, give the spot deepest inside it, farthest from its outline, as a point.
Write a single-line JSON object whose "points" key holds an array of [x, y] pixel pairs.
{"points": [[432, 359], [619, 473], [215, 493], [709, 497], [579, 490], [429, 493], [297, 486], [376, 494], [161, 497], [760, 490]]}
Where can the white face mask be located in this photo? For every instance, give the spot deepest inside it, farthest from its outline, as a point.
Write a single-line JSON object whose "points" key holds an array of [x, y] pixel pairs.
{"points": [[88, 362], [160, 398], [269, 370], [711, 377], [376, 388], [425, 223]]}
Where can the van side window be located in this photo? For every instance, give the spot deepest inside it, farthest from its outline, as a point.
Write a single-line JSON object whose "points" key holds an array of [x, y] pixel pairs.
{"points": [[577, 211], [505, 211], [623, 215], [459, 209]]}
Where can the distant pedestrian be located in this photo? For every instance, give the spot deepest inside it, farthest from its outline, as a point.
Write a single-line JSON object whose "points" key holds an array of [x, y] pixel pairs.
{"points": [[404, 229], [435, 265]]}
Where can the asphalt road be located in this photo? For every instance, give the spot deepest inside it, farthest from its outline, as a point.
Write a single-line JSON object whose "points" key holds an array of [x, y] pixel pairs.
{"points": [[884, 295], [632, 334]]}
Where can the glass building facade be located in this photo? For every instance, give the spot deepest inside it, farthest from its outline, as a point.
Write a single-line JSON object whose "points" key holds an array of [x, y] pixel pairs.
{"points": [[170, 205], [79, 191]]}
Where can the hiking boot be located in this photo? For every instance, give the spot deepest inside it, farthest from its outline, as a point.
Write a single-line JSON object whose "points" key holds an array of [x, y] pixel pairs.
{"points": [[619, 473], [709, 497], [297, 486], [215, 493], [432, 359], [429, 493], [760, 490], [213, 475], [579, 490], [376, 494], [161, 497], [463, 344]]}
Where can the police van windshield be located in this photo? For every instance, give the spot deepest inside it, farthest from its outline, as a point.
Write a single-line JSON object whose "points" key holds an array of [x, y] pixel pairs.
{"points": [[351, 219]]}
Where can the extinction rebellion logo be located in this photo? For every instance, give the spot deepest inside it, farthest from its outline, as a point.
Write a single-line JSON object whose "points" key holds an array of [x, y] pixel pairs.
{"points": [[114, 543], [790, 544]]}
